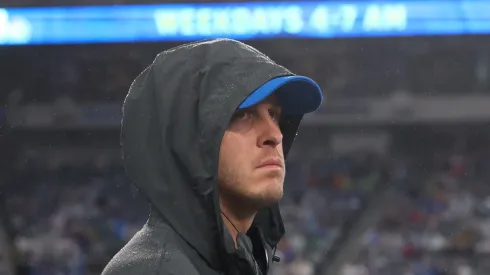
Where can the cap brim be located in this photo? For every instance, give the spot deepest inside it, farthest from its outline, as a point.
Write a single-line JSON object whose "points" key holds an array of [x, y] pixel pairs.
{"points": [[296, 94]]}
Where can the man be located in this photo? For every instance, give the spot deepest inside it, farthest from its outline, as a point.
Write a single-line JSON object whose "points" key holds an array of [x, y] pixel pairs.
{"points": [[205, 131]]}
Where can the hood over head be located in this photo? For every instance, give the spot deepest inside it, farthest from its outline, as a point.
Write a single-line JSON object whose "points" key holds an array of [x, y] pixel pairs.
{"points": [[174, 118]]}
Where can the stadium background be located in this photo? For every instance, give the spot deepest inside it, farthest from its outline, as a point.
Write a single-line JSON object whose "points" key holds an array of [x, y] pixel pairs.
{"points": [[390, 177]]}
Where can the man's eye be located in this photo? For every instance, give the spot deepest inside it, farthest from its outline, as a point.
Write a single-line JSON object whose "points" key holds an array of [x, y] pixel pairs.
{"points": [[274, 114], [240, 115]]}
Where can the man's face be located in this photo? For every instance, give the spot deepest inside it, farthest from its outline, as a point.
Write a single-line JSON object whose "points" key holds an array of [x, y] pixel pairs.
{"points": [[251, 161]]}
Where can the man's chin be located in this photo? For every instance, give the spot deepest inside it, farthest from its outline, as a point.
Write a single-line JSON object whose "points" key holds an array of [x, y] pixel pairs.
{"points": [[265, 199], [263, 195]]}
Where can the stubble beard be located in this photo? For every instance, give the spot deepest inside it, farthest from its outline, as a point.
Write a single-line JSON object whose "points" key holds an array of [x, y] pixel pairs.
{"points": [[238, 193]]}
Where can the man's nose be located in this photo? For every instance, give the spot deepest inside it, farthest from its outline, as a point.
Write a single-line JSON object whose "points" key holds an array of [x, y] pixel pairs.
{"points": [[271, 134]]}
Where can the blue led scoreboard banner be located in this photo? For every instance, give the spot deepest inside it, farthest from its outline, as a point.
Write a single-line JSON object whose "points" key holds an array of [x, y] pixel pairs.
{"points": [[257, 20]]}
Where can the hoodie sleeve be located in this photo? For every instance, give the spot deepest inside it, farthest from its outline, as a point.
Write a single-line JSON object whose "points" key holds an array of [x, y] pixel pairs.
{"points": [[169, 268], [156, 264], [150, 256]]}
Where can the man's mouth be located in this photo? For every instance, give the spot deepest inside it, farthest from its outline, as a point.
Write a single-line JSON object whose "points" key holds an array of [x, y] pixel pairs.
{"points": [[272, 163]]}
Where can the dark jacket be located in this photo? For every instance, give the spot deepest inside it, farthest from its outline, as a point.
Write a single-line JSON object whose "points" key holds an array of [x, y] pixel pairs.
{"points": [[174, 118]]}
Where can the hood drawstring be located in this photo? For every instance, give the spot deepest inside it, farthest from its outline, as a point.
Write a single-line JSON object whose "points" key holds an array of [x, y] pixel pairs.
{"points": [[274, 257]]}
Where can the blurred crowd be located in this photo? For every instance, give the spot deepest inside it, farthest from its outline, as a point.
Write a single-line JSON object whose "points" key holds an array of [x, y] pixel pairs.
{"points": [[71, 216], [343, 69], [438, 224]]}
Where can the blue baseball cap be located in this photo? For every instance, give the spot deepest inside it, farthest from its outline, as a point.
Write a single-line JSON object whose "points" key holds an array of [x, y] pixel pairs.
{"points": [[297, 95]]}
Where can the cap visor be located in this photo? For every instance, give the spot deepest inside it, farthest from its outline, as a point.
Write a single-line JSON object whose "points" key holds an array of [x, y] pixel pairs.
{"points": [[296, 94]]}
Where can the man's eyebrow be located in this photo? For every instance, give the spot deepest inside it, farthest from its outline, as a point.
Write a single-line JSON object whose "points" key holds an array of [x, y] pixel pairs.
{"points": [[276, 105], [273, 101]]}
